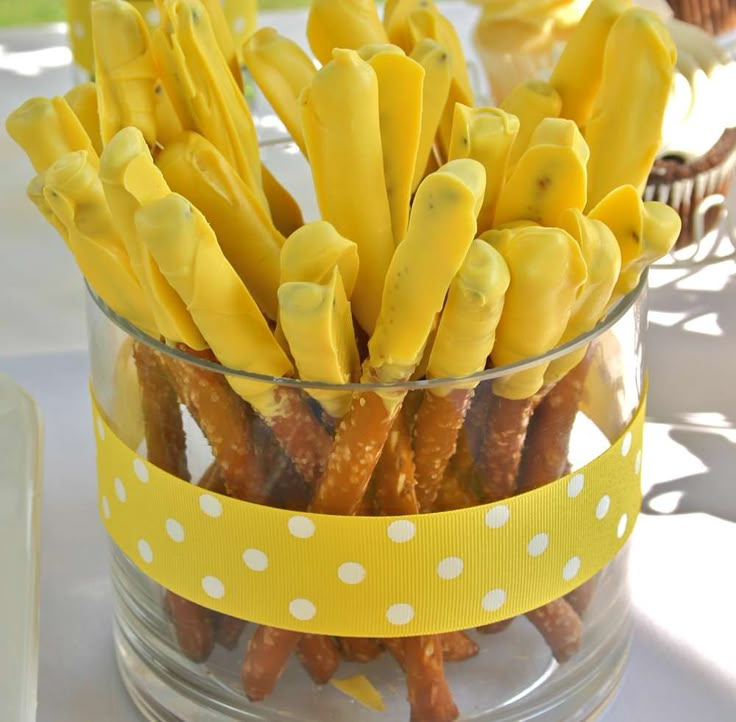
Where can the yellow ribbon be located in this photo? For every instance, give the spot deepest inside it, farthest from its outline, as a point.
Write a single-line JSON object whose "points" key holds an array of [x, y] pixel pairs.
{"points": [[370, 576]]}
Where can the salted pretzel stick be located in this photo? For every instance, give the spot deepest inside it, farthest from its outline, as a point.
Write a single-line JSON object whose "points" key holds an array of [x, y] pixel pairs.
{"points": [[422, 656], [548, 436], [319, 655], [222, 416], [166, 448], [457, 646], [464, 339], [580, 598], [441, 229], [360, 649], [560, 626], [429, 696], [496, 627]]}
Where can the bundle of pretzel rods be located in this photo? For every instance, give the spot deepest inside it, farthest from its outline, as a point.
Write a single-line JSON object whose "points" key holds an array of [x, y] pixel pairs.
{"points": [[453, 238]]}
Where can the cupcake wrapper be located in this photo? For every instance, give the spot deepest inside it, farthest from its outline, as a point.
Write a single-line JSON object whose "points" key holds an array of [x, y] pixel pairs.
{"points": [[686, 195]]}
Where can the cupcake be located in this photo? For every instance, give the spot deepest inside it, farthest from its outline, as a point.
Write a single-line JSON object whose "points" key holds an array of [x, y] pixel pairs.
{"points": [[698, 152], [715, 16], [521, 39]]}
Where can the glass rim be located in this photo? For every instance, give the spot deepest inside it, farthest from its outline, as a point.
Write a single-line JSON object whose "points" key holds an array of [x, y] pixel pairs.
{"points": [[611, 319]]}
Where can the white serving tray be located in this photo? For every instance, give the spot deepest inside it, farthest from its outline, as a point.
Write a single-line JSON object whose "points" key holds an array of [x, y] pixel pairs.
{"points": [[20, 489]]}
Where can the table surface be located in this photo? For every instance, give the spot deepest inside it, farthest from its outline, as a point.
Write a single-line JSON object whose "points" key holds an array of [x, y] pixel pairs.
{"points": [[683, 660]]}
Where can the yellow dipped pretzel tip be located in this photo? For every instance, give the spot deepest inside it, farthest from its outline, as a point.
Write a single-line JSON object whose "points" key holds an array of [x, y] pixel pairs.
{"points": [[547, 272], [577, 74], [441, 229], [531, 102], [467, 328], [486, 135], [73, 195], [281, 69], [125, 70], [131, 179], [82, 100], [317, 323], [340, 106], [349, 24], [186, 250], [47, 129], [645, 231], [194, 168], [625, 128], [549, 178], [312, 252]]}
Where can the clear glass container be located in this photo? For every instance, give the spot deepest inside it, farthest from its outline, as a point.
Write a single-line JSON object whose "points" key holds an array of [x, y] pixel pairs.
{"points": [[512, 674]]}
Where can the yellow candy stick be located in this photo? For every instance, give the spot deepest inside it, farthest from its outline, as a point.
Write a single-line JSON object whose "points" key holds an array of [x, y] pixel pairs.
{"points": [[34, 191], [168, 124], [531, 103], [317, 323], [281, 70], [125, 70], [547, 271], [645, 231], [437, 79], [285, 211], [310, 254], [428, 22], [224, 38], [467, 328], [195, 169], [82, 100], [400, 91], [396, 21], [130, 179], [464, 339], [549, 178], [577, 75], [73, 194], [186, 249], [441, 230], [603, 260], [485, 135], [203, 90], [339, 106], [47, 129], [625, 128], [348, 24]]}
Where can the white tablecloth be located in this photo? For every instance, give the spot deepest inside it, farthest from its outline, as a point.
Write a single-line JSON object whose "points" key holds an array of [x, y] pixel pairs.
{"points": [[683, 661]]}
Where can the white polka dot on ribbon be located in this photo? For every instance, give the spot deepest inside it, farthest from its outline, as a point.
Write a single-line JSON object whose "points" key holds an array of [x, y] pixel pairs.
{"points": [[302, 609], [400, 614], [401, 531]]}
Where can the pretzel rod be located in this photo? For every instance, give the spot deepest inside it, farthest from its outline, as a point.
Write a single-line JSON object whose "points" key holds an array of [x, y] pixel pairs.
{"points": [[548, 435], [228, 631], [438, 421], [457, 646], [455, 492], [560, 626], [360, 649], [222, 416], [166, 448], [268, 652], [319, 655], [212, 480], [422, 656], [194, 625], [508, 421], [579, 599], [429, 694]]}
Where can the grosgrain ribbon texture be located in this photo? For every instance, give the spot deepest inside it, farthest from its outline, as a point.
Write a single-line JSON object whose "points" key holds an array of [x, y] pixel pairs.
{"points": [[370, 576]]}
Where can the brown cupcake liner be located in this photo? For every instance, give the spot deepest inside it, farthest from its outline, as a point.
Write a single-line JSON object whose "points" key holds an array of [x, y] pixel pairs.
{"points": [[714, 16], [684, 186]]}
